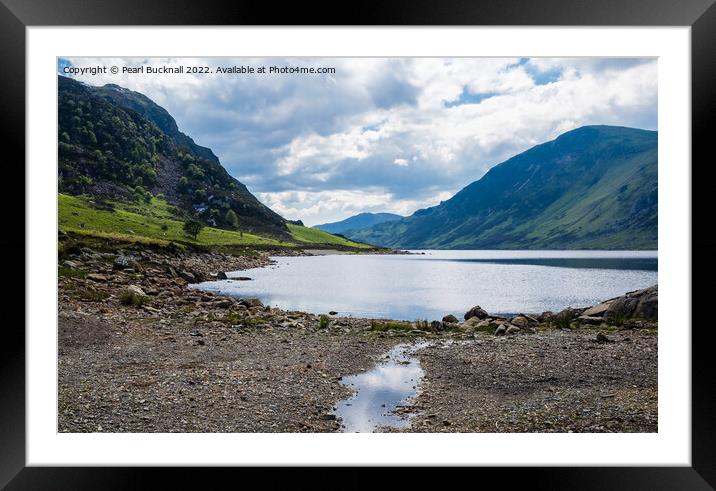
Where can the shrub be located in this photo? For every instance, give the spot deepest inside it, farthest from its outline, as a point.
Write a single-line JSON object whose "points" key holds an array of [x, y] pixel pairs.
{"points": [[70, 272], [131, 298], [390, 326], [562, 320], [323, 321], [232, 318], [89, 295]]}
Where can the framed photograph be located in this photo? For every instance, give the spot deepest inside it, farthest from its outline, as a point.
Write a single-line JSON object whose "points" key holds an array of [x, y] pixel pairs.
{"points": [[420, 236]]}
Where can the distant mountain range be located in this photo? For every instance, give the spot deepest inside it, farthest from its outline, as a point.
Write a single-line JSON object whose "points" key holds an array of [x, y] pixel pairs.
{"points": [[362, 220], [594, 187], [115, 143]]}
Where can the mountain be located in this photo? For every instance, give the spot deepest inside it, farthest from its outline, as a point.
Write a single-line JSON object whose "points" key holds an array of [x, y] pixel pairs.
{"points": [[362, 220], [117, 144], [591, 188]]}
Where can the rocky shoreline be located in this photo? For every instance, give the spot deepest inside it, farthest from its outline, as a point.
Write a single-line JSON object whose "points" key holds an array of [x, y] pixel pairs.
{"points": [[140, 351]]}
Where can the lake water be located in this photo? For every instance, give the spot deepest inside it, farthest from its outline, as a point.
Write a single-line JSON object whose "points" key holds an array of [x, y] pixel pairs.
{"points": [[436, 283]]}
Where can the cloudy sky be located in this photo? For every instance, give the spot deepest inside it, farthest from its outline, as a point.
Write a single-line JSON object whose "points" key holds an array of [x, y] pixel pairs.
{"points": [[384, 134]]}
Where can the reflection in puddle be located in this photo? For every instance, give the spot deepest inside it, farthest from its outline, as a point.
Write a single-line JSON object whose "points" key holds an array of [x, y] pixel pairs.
{"points": [[381, 391]]}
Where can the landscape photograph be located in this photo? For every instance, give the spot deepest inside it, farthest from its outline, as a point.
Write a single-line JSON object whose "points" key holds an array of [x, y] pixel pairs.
{"points": [[372, 245]]}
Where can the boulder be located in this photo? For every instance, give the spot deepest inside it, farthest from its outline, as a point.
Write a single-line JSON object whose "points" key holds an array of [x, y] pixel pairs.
{"points": [[224, 303], [136, 290], [436, 326], [586, 319], [121, 262], [221, 276], [450, 319], [520, 321], [648, 306], [621, 308], [476, 311], [472, 322], [512, 330], [501, 330], [251, 302], [598, 310], [96, 277], [602, 338], [188, 276]]}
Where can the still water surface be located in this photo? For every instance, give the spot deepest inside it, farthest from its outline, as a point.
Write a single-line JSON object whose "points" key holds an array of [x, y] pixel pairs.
{"points": [[436, 283], [382, 390]]}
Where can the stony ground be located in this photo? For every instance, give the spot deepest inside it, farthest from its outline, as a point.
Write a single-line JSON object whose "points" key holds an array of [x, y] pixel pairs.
{"points": [[182, 360], [551, 381]]}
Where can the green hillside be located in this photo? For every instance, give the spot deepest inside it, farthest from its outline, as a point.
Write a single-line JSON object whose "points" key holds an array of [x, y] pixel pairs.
{"points": [[155, 222], [592, 188], [117, 144]]}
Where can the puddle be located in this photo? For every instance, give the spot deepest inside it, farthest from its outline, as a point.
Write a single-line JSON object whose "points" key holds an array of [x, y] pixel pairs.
{"points": [[382, 390]]}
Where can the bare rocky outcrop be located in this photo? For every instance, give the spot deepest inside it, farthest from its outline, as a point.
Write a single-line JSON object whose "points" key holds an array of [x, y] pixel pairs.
{"points": [[639, 304]]}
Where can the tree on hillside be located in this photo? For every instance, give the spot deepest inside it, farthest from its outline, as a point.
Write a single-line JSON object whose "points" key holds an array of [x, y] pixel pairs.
{"points": [[193, 227], [231, 219]]}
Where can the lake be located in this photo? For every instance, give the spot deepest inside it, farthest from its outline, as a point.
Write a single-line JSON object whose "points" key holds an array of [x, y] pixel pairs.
{"points": [[431, 284]]}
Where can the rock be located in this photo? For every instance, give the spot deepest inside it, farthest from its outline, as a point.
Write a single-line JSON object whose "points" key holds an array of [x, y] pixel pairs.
{"points": [[598, 310], [648, 306], [96, 277], [224, 303], [221, 276], [476, 311], [122, 262], [71, 264], [241, 278], [436, 326], [450, 319], [251, 302], [602, 338], [136, 290], [520, 321], [593, 321], [501, 330], [512, 330], [545, 316], [472, 322], [188, 276], [332, 312]]}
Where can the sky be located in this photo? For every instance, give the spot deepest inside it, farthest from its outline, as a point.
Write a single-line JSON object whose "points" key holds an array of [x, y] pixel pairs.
{"points": [[382, 134]]}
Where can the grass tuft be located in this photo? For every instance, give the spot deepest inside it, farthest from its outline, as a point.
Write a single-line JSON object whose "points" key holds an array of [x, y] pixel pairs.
{"points": [[131, 298]]}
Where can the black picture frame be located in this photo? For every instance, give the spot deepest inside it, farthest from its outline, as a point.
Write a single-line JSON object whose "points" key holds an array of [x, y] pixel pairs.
{"points": [[16, 15]]}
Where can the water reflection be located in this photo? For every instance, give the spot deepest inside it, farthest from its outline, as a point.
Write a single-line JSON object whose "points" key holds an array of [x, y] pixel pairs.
{"points": [[382, 390]]}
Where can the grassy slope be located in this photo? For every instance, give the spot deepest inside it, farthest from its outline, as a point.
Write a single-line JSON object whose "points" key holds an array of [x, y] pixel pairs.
{"points": [[143, 223]]}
